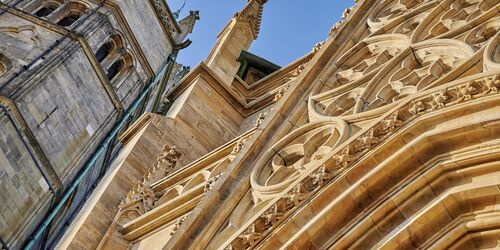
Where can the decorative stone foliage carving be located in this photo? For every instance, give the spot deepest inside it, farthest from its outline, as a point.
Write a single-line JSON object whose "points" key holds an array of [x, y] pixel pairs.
{"points": [[178, 224], [142, 198], [281, 92], [260, 119], [239, 145], [165, 163], [211, 182], [165, 17], [317, 46]]}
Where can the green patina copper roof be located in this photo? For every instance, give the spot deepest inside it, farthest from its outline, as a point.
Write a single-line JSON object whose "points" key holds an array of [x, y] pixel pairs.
{"points": [[249, 60]]}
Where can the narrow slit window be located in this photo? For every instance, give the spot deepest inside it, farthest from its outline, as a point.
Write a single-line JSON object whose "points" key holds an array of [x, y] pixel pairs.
{"points": [[45, 11], [103, 51], [114, 69]]}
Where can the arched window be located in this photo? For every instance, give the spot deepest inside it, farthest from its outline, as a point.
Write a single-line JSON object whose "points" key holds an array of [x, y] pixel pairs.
{"points": [[68, 20], [46, 10], [114, 69], [73, 13], [120, 68], [104, 51]]}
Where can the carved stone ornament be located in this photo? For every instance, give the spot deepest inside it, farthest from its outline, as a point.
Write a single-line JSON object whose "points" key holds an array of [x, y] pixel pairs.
{"points": [[260, 119], [356, 148], [294, 155], [281, 92]]}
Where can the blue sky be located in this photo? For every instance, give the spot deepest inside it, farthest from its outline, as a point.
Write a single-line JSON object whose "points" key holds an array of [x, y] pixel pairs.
{"points": [[289, 28]]}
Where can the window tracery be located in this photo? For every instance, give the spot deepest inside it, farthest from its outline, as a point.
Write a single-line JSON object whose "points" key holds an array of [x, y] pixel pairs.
{"points": [[451, 15], [414, 70], [354, 69], [480, 35], [293, 155], [389, 11]]}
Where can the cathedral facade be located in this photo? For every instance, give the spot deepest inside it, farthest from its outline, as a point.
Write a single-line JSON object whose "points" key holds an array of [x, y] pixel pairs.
{"points": [[386, 135]]}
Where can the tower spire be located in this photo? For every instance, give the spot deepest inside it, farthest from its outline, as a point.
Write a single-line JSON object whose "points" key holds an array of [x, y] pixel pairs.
{"points": [[236, 36], [252, 13]]}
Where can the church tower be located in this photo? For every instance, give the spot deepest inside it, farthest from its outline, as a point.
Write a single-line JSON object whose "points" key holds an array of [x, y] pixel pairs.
{"points": [[237, 36]]}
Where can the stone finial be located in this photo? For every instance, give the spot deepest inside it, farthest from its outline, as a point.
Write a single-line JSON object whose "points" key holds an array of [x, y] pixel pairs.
{"points": [[296, 72], [280, 92], [260, 119], [317, 46], [165, 163], [346, 12], [239, 145]]}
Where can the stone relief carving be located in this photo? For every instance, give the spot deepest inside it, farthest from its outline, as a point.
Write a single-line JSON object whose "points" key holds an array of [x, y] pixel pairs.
{"points": [[24, 33]]}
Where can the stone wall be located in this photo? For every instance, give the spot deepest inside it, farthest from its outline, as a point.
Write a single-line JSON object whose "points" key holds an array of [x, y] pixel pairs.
{"points": [[23, 189], [146, 29], [63, 94]]}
